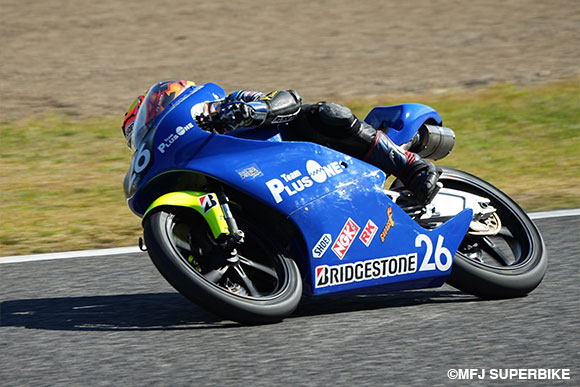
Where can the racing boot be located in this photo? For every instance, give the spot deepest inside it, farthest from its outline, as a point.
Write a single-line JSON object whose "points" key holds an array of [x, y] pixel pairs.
{"points": [[419, 176], [335, 126]]}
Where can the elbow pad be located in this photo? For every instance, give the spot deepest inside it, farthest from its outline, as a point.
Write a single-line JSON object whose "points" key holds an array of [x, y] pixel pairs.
{"points": [[283, 106]]}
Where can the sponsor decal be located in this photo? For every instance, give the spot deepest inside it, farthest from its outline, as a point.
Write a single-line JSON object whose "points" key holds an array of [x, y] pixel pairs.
{"points": [[208, 202], [345, 238], [173, 137], [289, 184], [435, 258], [291, 176], [250, 172], [368, 233], [321, 246], [316, 171], [333, 275], [388, 226]]}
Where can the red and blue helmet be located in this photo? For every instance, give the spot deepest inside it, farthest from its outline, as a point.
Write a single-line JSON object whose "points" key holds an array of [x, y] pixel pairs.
{"points": [[145, 108]]}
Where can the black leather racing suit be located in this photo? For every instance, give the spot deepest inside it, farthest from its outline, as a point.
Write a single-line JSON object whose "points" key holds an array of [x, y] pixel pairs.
{"points": [[335, 126]]}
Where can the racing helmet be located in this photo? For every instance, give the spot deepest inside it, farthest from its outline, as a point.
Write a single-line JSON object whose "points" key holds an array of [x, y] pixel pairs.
{"points": [[152, 105], [129, 120]]}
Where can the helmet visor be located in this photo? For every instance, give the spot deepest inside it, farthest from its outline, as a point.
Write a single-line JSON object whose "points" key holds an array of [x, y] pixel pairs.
{"points": [[154, 104]]}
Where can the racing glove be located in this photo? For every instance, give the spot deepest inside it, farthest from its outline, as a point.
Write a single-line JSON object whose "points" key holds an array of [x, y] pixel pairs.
{"points": [[257, 109], [223, 116]]}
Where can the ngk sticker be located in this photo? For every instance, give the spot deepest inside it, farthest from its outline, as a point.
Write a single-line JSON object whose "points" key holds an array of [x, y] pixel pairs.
{"points": [[345, 238]]}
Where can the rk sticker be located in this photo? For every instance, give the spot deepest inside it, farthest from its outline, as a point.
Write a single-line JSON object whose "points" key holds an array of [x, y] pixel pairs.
{"points": [[368, 233]]}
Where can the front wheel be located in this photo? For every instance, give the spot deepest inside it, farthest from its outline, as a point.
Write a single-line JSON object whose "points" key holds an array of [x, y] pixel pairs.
{"points": [[254, 283], [510, 263]]}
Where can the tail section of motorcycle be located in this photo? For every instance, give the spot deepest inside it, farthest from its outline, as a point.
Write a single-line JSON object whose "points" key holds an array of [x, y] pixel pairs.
{"points": [[503, 254]]}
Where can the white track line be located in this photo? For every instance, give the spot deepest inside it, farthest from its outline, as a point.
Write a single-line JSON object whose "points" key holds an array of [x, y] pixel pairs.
{"points": [[132, 250], [555, 214], [69, 254]]}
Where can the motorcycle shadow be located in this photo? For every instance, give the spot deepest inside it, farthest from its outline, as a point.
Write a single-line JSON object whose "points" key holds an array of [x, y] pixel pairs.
{"points": [[344, 303], [171, 311]]}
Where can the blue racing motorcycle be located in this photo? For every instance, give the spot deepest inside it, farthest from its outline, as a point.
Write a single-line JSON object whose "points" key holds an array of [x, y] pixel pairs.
{"points": [[244, 223]]}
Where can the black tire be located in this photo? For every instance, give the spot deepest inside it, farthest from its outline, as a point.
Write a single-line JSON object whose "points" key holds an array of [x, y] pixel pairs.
{"points": [[509, 264], [263, 286]]}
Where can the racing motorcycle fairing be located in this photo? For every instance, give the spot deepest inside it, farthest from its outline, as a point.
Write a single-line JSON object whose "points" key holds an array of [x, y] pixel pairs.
{"points": [[401, 122], [162, 135], [374, 243], [254, 166], [355, 235]]}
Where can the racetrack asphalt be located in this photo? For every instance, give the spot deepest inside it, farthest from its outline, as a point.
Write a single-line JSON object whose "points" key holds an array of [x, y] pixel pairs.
{"points": [[114, 320]]}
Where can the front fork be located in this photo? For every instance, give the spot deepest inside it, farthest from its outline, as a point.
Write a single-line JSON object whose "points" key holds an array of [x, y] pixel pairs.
{"points": [[214, 208], [236, 236]]}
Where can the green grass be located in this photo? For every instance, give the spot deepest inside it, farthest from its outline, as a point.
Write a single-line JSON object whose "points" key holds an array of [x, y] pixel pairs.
{"points": [[61, 180], [61, 186]]}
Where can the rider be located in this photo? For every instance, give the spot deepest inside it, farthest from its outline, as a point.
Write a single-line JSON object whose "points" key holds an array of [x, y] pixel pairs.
{"points": [[325, 123]]}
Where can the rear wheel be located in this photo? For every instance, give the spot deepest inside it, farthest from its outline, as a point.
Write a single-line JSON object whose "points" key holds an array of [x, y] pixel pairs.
{"points": [[510, 263], [253, 283]]}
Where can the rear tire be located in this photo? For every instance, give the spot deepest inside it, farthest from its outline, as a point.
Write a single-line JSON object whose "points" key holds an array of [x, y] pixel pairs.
{"points": [[509, 264], [259, 285]]}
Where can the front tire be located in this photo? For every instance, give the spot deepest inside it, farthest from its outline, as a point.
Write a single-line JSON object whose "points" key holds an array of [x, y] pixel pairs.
{"points": [[256, 285], [511, 263]]}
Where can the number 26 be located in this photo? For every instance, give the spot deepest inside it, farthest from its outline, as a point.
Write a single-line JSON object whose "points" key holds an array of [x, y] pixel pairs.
{"points": [[439, 252]]}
